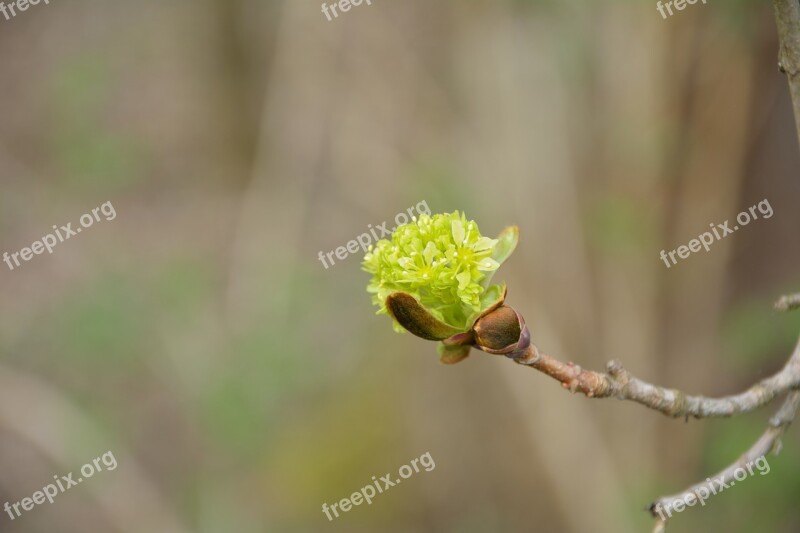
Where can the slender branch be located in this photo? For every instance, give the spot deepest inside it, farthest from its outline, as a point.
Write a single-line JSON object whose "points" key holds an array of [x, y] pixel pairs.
{"points": [[621, 384], [787, 17], [768, 443], [660, 526]]}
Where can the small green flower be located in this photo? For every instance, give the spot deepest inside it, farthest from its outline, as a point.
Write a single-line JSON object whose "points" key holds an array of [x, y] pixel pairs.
{"points": [[445, 264]]}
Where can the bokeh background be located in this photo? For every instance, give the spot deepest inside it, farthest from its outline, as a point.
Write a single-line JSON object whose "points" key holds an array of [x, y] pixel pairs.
{"points": [[240, 384]]}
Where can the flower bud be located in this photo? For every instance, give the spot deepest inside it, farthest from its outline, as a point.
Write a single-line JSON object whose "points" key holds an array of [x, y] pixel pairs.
{"points": [[503, 332]]}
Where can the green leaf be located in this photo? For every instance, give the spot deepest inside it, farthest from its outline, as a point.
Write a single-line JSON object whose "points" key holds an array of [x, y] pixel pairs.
{"points": [[506, 244]]}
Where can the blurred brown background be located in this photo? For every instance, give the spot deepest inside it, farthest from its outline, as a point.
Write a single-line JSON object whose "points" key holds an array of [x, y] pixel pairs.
{"points": [[240, 384]]}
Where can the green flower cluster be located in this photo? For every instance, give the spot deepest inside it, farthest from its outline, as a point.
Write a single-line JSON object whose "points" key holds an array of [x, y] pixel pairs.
{"points": [[442, 261]]}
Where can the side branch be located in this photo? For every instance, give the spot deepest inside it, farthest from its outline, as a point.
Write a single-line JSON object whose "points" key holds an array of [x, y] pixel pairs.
{"points": [[768, 443], [787, 17], [621, 384]]}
